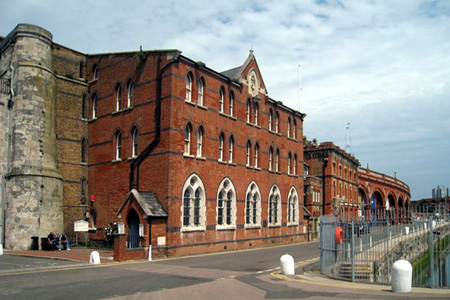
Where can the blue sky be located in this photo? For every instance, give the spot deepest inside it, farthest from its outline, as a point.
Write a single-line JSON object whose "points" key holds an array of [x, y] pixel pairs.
{"points": [[382, 66]]}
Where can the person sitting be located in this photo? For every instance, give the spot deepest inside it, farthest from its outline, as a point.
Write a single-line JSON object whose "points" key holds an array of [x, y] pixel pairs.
{"points": [[52, 240], [63, 240]]}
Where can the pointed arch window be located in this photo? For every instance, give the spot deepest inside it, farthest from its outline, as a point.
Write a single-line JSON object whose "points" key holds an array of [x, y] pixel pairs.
{"points": [[83, 151], [255, 113], [221, 99], [221, 140], [188, 87], [226, 205], [130, 93], [256, 155], [252, 206], [231, 104], [289, 163], [95, 71], [194, 207], [230, 149], [94, 106], [277, 161], [84, 107], [118, 145], [289, 127], [294, 130], [270, 120], [277, 118], [294, 165], [118, 97], [135, 136], [249, 150], [292, 213], [199, 141], [271, 159], [249, 108], [187, 139], [201, 85], [83, 191], [274, 206]]}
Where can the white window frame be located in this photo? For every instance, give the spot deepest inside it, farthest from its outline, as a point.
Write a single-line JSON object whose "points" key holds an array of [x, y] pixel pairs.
{"points": [[274, 207], [201, 86], [135, 145], [130, 93], [188, 87], [199, 141], [118, 137], [230, 149], [252, 206], [231, 106], [292, 208], [195, 221], [118, 97], [187, 139], [226, 208], [221, 144], [256, 155], [94, 106], [248, 158], [221, 99]]}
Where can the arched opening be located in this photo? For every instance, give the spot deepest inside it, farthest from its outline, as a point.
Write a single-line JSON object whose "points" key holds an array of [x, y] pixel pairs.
{"points": [[133, 229], [390, 209], [376, 207]]}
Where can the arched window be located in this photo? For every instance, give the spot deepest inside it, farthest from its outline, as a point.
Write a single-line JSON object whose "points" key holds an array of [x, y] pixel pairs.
{"points": [[256, 155], [274, 206], [252, 206], [249, 150], [255, 113], [135, 135], [221, 99], [292, 212], [80, 69], [84, 107], [94, 106], [277, 161], [194, 207], [294, 130], [118, 97], [231, 104], [271, 159], [201, 85], [221, 139], [289, 163], [289, 127], [187, 139], [83, 151], [277, 118], [199, 141], [118, 145], [130, 93], [230, 149], [249, 108], [188, 87], [95, 71], [226, 205], [270, 120], [294, 165], [83, 191]]}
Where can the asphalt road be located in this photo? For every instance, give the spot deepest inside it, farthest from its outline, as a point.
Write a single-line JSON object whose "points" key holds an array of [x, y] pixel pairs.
{"points": [[229, 275]]}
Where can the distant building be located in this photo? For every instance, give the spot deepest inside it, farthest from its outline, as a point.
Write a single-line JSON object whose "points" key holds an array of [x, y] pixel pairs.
{"points": [[431, 207], [440, 192]]}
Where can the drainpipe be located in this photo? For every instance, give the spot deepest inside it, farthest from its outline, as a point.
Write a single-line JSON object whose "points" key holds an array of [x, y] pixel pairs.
{"points": [[325, 162], [134, 167], [8, 157]]}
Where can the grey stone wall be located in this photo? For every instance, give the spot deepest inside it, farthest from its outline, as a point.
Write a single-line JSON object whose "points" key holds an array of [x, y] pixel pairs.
{"points": [[34, 186]]}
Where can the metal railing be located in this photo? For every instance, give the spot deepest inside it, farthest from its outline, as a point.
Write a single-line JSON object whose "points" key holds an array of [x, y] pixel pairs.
{"points": [[366, 251]]}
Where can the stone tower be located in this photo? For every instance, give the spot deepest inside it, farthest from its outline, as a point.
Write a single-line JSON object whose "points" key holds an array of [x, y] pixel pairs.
{"points": [[32, 186]]}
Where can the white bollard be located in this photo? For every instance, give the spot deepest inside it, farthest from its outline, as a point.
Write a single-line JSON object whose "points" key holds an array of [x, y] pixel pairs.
{"points": [[287, 264], [406, 230], [150, 253], [1, 249], [401, 276], [95, 258]]}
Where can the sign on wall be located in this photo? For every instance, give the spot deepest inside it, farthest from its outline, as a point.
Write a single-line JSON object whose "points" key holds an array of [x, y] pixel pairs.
{"points": [[81, 226]]}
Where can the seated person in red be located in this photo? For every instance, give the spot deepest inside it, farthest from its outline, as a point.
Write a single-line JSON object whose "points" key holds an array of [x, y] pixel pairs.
{"points": [[63, 240]]}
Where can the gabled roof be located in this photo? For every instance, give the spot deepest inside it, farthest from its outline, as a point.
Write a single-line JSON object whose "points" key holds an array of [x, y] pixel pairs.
{"points": [[150, 204]]}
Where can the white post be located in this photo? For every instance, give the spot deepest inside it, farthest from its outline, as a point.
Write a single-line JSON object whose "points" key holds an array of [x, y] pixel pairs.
{"points": [[150, 253], [1, 249], [401, 276], [287, 264], [95, 258]]}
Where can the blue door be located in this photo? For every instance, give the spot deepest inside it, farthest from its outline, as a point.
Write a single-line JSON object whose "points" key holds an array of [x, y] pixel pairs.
{"points": [[133, 228]]}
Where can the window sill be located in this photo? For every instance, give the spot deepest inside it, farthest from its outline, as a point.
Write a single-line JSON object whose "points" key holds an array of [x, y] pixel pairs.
{"points": [[258, 169], [192, 229], [292, 139], [232, 118], [226, 227], [232, 164], [223, 114], [201, 158], [185, 155], [292, 225], [116, 112], [274, 225], [92, 120], [252, 226], [202, 107], [116, 161], [222, 162], [189, 102], [128, 108], [132, 158], [84, 163], [279, 134], [249, 167], [93, 81]]}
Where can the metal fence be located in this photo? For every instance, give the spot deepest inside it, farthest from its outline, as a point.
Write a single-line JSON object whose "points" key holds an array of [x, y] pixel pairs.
{"points": [[366, 251]]}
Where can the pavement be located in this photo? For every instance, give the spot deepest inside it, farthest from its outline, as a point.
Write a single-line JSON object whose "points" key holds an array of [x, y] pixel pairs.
{"points": [[307, 279]]}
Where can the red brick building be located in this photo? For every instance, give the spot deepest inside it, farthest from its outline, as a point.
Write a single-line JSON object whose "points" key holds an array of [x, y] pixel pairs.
{"points": [[213, 163]]}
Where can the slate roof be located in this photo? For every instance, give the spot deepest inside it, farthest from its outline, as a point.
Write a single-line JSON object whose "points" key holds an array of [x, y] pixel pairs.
{"points": [[306, 212], [231, 73], [148, 201]]}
